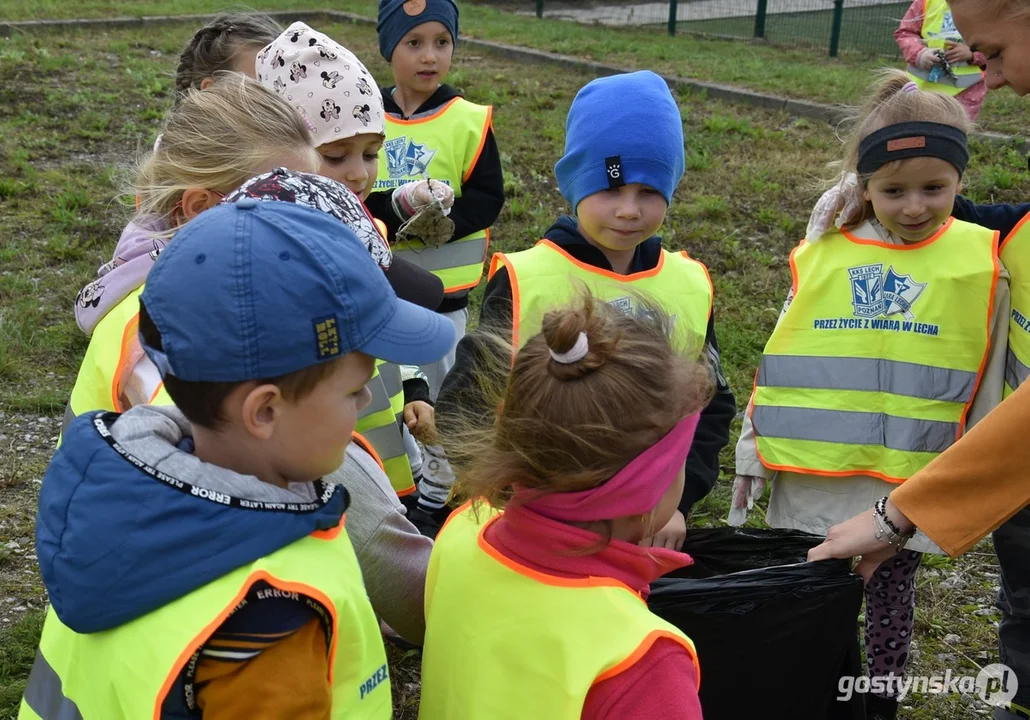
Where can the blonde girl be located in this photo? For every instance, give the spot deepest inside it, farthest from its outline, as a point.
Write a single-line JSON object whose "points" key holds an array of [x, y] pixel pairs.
{"points": [[890, 345], [211, 142]]}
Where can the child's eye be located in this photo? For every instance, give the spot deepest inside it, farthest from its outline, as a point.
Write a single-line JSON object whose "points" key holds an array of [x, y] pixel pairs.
{"points": [[443, 42], [413, 43], [331, 160], [996, 55], [892, 191], [371, 156], [934, 188]]}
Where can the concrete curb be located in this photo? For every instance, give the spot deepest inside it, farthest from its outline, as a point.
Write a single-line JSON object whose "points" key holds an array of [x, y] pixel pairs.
{"points": [[730, 93]]}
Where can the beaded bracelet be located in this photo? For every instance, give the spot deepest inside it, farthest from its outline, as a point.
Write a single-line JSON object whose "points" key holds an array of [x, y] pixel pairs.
{"points": [[887, 530]]}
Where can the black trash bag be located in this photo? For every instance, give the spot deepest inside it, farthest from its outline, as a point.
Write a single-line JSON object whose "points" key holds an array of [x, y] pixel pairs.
{"points": [[774, 633]]}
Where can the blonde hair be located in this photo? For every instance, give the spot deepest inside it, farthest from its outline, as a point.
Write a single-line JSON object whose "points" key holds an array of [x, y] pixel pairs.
{"points": [[216, 139], [564, 427], [889, 105]]}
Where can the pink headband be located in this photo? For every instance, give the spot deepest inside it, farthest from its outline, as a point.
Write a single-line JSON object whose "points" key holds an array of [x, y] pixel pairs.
{"points": [[634, 490]]}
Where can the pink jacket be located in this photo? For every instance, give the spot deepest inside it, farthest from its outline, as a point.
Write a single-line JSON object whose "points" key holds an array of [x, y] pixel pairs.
{"points": [[909, 37]]}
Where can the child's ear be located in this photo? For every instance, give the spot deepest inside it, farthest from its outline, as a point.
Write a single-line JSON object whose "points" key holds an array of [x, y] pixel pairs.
{"points": [[197, 200], [261, 409]]}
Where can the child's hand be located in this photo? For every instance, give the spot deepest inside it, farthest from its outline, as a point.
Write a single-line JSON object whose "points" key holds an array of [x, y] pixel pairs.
{"points": [[671, 536], [408, 199], [958, 52], [928, 58], [746, 489], [420, 417], [839, 206]]}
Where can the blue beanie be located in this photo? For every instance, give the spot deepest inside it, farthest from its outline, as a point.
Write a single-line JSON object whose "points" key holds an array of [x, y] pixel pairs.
{"points": [[398, 17], [621, 129]]}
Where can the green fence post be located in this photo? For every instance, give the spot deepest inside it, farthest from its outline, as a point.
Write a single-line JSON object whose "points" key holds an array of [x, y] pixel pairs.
{"points": [[672, 16], [838, 16], [539, 8], [760, 19]]}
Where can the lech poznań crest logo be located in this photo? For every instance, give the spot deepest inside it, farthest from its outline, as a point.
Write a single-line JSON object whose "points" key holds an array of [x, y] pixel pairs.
{"points": [[875, 293], [407, 159]]}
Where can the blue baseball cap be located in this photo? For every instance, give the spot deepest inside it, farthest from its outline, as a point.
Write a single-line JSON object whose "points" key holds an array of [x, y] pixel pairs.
{"points": [[256, 290]]}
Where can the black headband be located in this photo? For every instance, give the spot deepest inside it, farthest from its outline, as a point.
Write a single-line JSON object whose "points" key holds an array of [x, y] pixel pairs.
{"points": [[913, 139]]}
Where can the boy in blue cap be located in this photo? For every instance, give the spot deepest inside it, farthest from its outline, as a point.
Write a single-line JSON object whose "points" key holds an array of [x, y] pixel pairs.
{"points": [[171, 537], [623, 159]]}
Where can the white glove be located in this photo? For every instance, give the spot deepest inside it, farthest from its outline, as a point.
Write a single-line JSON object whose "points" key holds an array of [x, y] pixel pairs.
{"points": [[927, 59], [411, 197], [746, 489], [840, 205]]}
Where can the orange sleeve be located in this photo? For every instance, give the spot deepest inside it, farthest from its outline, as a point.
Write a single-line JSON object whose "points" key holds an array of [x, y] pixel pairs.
{"points": [[287, 679], [976, 484]]}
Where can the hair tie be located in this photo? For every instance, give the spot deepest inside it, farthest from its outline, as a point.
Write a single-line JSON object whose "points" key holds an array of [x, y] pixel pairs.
{"points": [[910, 87], [576, 353]]}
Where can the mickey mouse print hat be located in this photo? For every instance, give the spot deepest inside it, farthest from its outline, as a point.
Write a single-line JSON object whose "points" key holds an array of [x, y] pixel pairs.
{"points": [[329, 86]]}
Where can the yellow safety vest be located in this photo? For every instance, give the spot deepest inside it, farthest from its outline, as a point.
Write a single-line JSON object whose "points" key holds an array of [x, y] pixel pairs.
{"points": [[379, 423], [875, 364], [1015, 256], [546, 277], [939, 30], [506, 641], [112, 352], [443, 145], [126, 673]]}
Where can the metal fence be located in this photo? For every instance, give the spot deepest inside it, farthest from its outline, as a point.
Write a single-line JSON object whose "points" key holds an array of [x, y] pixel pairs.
{"points": [[834, 26]]}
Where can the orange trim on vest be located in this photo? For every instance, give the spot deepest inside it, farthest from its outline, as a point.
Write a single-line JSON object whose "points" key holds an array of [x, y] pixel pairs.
{"points": [[469, 286], [516, 298], [990, 312], [209, 629], [367, 447], [333, 532], [888, 246], [642, 650], [1015, 230], [444, 108], [157, 391], [482, 142], [544, 578], [708, 277], [608, 273], [128, 336]]}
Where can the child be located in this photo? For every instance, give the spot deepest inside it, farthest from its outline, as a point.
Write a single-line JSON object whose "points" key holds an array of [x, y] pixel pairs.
{"points": [[620, 169], [229, 42], [342, 105], [392, 554], [173, 540], [938, 59], [211, 142], [536, 611], [886, 350], [432, 132]]}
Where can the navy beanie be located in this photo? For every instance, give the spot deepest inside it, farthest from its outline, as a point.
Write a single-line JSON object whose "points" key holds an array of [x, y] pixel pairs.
{"points": [[398, 17], [621, 129]]}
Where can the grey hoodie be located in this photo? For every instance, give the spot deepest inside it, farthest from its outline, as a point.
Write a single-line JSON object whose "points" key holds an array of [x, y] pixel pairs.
{"points": [[392, 554]]}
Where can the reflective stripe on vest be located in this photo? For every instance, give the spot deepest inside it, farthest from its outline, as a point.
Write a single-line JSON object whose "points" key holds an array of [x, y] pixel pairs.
{"points": [[127, 672], [113, 349], [545, 277], [876, 362], [1015, 256], [378, 423], [559, 636], [939, 30], [442, 145]]}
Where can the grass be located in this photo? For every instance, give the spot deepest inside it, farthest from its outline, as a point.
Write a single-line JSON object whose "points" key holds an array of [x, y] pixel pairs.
{"points": [[791, 67], [77, 107]]}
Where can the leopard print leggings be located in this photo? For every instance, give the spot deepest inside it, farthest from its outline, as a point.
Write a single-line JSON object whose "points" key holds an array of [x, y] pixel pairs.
{"points": [[890, 598]]}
